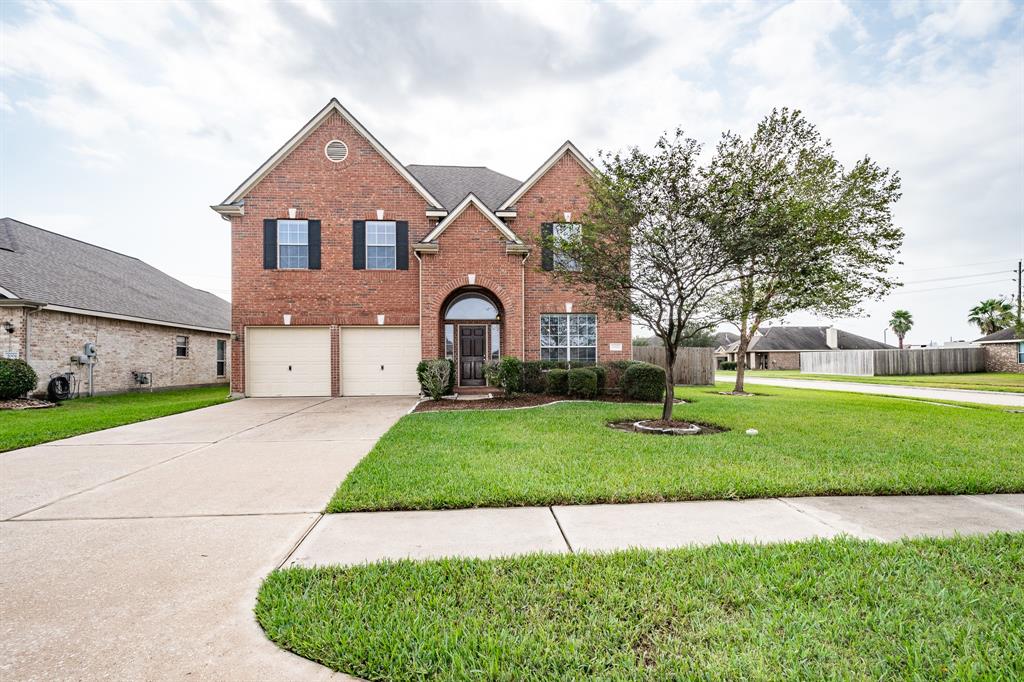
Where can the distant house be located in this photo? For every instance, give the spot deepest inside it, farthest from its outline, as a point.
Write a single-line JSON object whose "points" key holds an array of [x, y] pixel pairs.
{"points": [[1004, 351], [780, 347], [716, 340], [58, 294]]}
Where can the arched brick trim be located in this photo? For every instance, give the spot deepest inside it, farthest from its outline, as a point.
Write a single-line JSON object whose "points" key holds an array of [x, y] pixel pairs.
{"points": [[482, 281]]}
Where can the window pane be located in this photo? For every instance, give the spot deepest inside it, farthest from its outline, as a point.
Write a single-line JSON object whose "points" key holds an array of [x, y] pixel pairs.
{"points": [[380, 258], [565, 231], [471, 307], [553, 331], [583, 355], [495, 341], [556, 354], [380, 233], [292, 232], [449, 341], [292, 257], [582, 330]]}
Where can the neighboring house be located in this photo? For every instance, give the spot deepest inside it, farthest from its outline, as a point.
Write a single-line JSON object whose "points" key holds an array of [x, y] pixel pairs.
{"points": [[1004, 351], [780, 347], [58, 294], [348, 267]]}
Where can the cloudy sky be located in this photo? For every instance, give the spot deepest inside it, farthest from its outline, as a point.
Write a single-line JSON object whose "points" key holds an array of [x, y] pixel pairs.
{"points": [[122, 123]]}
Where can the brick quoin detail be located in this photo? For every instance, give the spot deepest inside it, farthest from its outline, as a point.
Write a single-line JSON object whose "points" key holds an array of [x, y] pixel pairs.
{"points": [[336, 295]]}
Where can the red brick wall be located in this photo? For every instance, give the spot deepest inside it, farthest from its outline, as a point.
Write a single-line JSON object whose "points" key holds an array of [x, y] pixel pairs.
{"points": [[561, 189]]}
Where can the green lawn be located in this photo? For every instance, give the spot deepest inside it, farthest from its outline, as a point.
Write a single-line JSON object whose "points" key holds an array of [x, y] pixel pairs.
{"points": [[810, 443], [21, 428], [837, 609], [980, 381]]}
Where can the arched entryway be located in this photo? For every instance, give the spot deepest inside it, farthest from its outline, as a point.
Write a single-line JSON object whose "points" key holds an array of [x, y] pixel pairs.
{"points": [[472, 330]]}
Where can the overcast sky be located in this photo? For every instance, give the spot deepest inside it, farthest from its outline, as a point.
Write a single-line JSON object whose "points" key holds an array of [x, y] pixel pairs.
{"points": [[122, 123]]}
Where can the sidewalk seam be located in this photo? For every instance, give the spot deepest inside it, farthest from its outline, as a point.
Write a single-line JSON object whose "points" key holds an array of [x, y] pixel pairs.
{"points": [[298, 543], [561, 530], [862, 534]]}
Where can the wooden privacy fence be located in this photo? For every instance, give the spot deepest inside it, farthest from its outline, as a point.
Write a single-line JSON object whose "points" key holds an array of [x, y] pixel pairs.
{"points": [[693, 366], [894, 362]]}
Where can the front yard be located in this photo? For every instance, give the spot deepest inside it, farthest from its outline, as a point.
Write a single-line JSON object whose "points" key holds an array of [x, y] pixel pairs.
{"points": [[809, 443], [839, 609], [979, 381], [22, 428]]}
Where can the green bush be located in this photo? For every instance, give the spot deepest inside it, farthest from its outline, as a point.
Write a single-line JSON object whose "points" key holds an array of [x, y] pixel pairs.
{"points": [[616, 370], [506, 374], [535, 377], [728, 365], [644, 382], [582, 383], [421, 375], [16, 378], [558, 382], [601, 374]]}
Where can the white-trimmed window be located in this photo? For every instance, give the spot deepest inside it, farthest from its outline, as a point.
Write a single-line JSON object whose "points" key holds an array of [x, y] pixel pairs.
{"points": [[181, 346], [1020, 352], [380, 244], [292, 244], [565, 232], [569, 338]]}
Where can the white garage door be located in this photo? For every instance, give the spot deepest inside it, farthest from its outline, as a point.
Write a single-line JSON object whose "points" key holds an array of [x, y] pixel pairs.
{"points": [[379, 360], [287, 361]]}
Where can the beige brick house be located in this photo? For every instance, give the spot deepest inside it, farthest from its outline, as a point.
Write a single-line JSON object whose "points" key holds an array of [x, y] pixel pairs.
{"points": [[148, 329], [1004, 351]]}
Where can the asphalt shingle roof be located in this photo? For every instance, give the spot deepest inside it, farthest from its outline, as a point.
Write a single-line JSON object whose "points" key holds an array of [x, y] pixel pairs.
{"points": [[46, 267], [451, 184], [1009, 334], [808, 338]]}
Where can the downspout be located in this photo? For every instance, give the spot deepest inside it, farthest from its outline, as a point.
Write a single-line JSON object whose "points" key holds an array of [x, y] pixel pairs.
{"points": [[419, 274], [522, 310]]}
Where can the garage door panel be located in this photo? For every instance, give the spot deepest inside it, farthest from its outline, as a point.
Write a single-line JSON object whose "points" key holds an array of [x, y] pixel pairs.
{"points": [[380, 360], [288, 361]]}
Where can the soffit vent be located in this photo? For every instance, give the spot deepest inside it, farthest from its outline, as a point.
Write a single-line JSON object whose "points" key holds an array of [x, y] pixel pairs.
{"points": [[336, 151]]}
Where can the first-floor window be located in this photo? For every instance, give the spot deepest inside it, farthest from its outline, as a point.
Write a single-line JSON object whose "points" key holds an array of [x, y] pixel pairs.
{"points": [[449, 341], [181, 346], [569, 338], [222, 353], [1020, 352], [495, 342], [292, 244]]}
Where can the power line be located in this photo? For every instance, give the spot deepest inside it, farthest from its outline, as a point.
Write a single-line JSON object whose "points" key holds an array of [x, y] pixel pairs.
{"points": [[942, 279], [954, 286], [958, 265]]}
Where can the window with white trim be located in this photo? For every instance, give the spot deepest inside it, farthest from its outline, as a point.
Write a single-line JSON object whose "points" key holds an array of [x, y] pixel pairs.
{"points": [[380, 244], [569, 338], [565, 232], [1020, 352], [292, 244], [181, 346]]}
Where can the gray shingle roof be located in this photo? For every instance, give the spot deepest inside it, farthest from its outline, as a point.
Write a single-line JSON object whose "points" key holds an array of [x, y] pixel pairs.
{"points": [[451, 184], [47, 267], [808, 338], [1009, 334]]}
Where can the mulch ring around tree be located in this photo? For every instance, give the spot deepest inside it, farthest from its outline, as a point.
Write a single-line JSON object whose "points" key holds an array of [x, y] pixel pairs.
{"points": [[25, 404], [517, 402], [666, 427]]}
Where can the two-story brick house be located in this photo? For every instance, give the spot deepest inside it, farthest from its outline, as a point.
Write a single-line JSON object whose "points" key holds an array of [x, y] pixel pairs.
{"points": [[348, 267]]}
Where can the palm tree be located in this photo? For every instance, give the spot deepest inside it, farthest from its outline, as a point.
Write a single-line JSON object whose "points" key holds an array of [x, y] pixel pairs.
{"points": [[991, 315], [901, 322]]}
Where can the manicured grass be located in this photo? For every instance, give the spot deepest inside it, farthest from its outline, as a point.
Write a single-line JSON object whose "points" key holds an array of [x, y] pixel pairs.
{"points": [[980, 381], [838, 609], [22, 428], [810, 443]]}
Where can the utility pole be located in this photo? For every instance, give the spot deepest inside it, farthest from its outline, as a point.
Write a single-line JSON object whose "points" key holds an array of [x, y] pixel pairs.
{"points": [[1020, 320]]}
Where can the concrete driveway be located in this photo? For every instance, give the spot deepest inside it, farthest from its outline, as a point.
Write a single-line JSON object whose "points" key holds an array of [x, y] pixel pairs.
{"points": [[136, 552]]}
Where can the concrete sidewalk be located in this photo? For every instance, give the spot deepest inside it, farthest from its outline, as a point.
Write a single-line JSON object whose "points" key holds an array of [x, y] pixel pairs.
{"points": [[919, 392], [372, 536]]}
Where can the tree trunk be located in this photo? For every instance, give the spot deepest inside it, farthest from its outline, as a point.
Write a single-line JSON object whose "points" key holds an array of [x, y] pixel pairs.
{"points": [[901, 342], [670, 387], [741, 362]]}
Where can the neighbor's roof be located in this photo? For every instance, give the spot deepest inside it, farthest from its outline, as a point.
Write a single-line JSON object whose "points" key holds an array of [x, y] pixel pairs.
{"points": [[1003, 335], [807, 338], [451, 184], [45, 267]]}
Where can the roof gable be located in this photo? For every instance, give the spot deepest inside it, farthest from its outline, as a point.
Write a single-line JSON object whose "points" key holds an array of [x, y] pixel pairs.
{"points": [[567, 148], [471, 200], [333, 106]]}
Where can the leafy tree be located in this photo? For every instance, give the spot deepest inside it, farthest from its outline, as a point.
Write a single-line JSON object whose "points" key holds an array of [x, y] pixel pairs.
{"points": [[991, 315], [901, 323], [645, 247], [802, 232]]}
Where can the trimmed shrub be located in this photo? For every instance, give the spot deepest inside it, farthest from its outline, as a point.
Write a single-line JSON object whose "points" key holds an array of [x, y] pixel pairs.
{"points": [[535, 377], [558, 382], [582, 383], [602, 376], [644, 382], [16, 378], [421, 376], [728, 365], [506, 374], [616, 369]]}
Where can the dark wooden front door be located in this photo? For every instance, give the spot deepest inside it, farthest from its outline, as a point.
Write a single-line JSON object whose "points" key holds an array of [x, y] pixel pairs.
{"points": [[472, 350]]}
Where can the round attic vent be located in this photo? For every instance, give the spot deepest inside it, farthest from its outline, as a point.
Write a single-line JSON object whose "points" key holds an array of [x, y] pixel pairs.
{"points": [[336, 151]]}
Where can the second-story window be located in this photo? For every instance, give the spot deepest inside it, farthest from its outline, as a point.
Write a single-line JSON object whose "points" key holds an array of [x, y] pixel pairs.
{"points": [[565, 232], [380, 245], [292, 244]]}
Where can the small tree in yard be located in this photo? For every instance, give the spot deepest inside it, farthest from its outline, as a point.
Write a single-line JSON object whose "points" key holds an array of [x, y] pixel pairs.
{"points": [[901, 323], [645, 248], [802, 232], [991, 315]]}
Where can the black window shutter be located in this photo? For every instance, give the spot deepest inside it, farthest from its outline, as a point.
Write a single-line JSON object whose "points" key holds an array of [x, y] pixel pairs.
{"points": [[269, 244], [314, 244], [402, 245], [547, 256], [358, 244]]}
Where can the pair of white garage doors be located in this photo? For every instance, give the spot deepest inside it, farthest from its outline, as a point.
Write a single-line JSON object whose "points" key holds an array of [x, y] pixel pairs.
{"points": [[296, 361]]}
